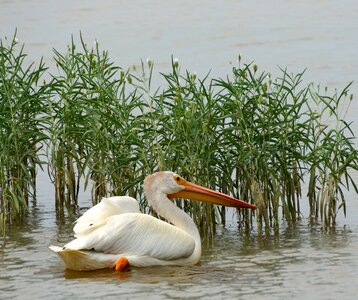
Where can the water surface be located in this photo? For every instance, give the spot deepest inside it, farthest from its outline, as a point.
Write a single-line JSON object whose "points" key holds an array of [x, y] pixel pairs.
{"points": [[302, 262]]}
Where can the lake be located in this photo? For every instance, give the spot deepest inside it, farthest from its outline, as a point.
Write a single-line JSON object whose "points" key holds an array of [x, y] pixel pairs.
{"points": [[303, 262]]}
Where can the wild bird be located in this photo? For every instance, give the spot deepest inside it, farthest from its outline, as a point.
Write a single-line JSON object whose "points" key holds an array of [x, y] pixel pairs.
{"points": [[130, 238]]}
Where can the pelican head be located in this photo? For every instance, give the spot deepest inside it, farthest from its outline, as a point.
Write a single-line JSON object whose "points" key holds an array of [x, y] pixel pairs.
{"points": [[174, 186]]}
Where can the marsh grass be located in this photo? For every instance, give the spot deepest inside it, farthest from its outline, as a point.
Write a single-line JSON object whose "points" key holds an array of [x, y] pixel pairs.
{"points": [[94, 126], [275, 134], [22, 123], [253, 136], [331, 155]]}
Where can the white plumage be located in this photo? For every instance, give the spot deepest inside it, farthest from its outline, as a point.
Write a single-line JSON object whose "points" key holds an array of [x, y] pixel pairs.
{"points": [[95, 216], [119, 231]]}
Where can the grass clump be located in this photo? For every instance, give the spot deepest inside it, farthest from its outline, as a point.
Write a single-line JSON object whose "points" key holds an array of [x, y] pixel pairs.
{"points": [[276, 135], [22, 123], [256, 137], [332, 155], [93, 133]]}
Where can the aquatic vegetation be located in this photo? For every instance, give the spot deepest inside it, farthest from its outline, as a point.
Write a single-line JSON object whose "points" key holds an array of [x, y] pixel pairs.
{"points": [[331, 155], [22, 122], [92, 120], [256, 137], [277, 133]]}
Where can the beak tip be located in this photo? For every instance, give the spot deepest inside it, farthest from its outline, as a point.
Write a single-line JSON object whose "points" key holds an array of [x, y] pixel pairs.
{"points": [[249, 205]]}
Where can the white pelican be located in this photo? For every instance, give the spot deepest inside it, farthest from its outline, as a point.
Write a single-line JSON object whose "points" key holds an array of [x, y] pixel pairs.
{"points": [[136, 239]]}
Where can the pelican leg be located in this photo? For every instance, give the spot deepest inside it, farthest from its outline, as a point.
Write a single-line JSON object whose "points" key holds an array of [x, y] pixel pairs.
{"points": [[122, 265]]}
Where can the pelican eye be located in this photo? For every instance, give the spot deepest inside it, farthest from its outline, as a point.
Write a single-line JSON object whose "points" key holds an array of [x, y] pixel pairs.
{"points": [[178, 179]]}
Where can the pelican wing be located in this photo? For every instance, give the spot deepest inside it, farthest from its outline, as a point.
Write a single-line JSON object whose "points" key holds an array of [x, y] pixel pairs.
{"points": [[95, 216], [137, 234]]}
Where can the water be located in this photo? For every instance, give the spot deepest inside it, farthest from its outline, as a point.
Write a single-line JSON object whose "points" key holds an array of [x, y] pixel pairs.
{"points": [[304, 262]]}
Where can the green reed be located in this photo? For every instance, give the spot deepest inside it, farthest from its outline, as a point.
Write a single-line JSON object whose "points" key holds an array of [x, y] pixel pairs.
{"points": [[93, 132], [186, 133], [22, 122], [263, 136], [256, 137], [331, 155]]}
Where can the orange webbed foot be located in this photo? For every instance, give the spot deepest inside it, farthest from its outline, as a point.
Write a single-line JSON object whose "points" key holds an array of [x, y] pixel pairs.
{"points": [[122, 265]]}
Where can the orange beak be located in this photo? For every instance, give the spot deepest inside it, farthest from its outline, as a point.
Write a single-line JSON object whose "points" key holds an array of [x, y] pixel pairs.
{"points": [[196, 192]]}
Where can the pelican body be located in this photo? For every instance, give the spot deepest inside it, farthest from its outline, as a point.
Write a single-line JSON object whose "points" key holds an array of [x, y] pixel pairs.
{"points": [[125, 237], [96, 216]]}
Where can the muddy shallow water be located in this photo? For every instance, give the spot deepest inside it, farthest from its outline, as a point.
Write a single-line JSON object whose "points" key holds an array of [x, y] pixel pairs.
{"points": [[302, 262]]}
